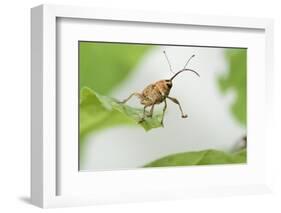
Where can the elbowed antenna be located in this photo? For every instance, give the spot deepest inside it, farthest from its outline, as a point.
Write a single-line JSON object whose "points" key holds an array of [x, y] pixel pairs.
{"points": [[166, 56], [188, 61], [185, 70]]}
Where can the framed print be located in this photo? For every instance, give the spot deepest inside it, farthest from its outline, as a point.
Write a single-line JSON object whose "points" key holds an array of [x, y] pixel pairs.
{"points": [[127, 106]]}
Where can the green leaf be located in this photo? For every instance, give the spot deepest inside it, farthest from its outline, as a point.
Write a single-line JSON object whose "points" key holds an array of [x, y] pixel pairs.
{"points": [[100, 112], [104, 66], [205, 157], [236, 79]]}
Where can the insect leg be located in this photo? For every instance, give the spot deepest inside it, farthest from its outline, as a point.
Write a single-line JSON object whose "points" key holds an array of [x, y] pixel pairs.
{"points": [[143, 115], [178, 103], [151, 111], [135, 93], [164, 110]]}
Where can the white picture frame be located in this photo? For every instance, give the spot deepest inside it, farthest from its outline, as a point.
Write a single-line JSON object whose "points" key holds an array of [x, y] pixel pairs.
{"points": [[46, 170]]}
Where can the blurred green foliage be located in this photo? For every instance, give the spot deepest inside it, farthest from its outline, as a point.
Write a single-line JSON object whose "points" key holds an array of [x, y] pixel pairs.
{"points": [[100, 112], [103, 66], [205, 157], [236, 79]]}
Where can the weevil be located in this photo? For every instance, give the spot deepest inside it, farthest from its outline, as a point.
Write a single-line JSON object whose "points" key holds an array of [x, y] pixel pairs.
{"points": [[158, 92]]}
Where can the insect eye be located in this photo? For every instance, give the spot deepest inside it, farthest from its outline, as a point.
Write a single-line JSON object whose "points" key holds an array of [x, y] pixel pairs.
{"points": [[169, 84]]}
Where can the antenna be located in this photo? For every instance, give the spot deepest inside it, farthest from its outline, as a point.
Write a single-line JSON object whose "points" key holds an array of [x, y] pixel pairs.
{"points": [[168, 61], [185, 70], [188, 61]]}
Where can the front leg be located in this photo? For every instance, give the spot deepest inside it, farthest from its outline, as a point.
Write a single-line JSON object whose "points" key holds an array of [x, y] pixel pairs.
{"points": [[164, 110], [178, 103]]}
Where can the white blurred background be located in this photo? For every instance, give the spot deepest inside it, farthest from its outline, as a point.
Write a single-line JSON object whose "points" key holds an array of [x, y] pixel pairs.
{"points": [[210, 124]]}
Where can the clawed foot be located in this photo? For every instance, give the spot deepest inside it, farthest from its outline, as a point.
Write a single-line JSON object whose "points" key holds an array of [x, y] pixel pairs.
{"points": [[141, 120], [184, 116], [149, 115], [120, 102]]}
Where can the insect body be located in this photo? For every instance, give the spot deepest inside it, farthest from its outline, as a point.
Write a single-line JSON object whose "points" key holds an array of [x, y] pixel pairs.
{"points": [[158, 92]]}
